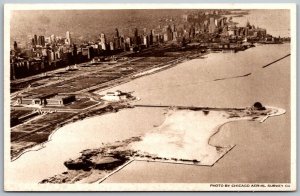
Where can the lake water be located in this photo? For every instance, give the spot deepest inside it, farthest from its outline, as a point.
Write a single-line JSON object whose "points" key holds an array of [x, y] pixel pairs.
{"points": [[256, 158], [262, 152]]}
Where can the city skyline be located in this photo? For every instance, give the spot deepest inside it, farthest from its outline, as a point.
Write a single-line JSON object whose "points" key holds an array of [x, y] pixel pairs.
{"points": [[88, 24], [150, 96], [212, 29]]}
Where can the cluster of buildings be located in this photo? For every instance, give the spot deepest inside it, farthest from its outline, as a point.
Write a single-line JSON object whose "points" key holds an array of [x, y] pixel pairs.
{"points": [[210, 27], [121, 43], [48, 53], [217, 32], [43, 54]]}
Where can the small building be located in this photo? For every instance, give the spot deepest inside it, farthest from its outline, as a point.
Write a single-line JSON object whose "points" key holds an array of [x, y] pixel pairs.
{"points": [[34, 99], [46, 99], [116, 96], [60, 100]]}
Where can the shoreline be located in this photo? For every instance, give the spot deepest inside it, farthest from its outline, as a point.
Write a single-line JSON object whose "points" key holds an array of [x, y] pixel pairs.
{"points": [[127, 79], [155, 158], [130, 167], [64, 123], [123, 81]]}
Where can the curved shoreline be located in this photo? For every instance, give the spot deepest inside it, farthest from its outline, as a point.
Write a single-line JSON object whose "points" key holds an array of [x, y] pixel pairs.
{"points": [[41, 145], [222, 149], [167, 66], [215, 134]]}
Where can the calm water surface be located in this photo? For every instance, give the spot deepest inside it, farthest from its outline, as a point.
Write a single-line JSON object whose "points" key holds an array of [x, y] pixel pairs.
{"points": [[256, 158], [262, 153]]}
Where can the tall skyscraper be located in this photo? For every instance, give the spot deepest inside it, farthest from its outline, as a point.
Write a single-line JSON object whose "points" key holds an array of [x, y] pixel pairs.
{"points": [[103, 41], [168, 33], [217, 23], [127, 43], [192, 31], [116, 32], [212, 25], [74, 54], [151, 37], [173, 27], [41, 41], [205, 25], [32, 42], [175, 36], [15, 45], [122, 43], [145, 40], [246, 31], [35, 39], [111, 46], [52, 38], [117, 39], [136, 34], [135, 39], [68, 38]]}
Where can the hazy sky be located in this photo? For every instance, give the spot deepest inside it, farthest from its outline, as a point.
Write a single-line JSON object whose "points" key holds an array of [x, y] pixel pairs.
{"points": [[277, 22], [88, 24]]}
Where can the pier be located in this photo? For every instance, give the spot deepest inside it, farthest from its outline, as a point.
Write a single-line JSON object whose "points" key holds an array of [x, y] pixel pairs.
{"points": [[196, 108]]}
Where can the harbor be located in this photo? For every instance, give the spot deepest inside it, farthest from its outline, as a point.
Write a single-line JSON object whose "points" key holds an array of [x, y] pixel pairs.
{"points": [[197, 97], [139, 120]]}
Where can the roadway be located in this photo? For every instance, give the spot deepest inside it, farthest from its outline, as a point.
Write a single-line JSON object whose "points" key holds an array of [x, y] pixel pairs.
{"points": [[13, 95]]}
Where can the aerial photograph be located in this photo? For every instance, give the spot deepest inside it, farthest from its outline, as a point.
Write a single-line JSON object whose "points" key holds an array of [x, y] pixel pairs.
{"points": [[105, 96]]}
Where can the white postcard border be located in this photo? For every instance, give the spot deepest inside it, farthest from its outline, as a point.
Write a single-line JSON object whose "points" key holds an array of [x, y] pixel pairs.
{"points": [[147, 186]]}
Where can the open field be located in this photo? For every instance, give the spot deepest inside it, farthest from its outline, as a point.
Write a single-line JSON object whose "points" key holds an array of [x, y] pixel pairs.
{"points": [[84, 79], [19, 113]]}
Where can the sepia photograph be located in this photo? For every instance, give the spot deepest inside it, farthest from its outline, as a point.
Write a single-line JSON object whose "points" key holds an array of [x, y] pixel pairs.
{"points": [[150, 97]]}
